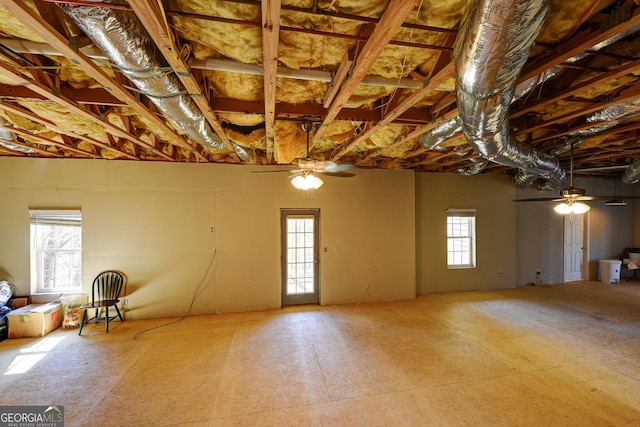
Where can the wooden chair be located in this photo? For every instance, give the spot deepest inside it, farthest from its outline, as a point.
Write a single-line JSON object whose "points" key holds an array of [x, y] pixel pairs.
{"points": [[105, 293]]}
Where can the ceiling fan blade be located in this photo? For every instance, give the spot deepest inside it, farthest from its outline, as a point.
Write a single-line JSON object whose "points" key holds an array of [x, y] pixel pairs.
{"points": [[614, 197], [330, 166], [539, 199], [271, 171], [338, 174]]}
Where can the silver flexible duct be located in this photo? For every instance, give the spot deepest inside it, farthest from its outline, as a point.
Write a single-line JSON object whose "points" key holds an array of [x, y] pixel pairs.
{"points": [[123, 39], [473, 169], [7, 135], [616, 113], [439, 134], [491, 49], [632, 173], [446, 130], [523, 178]]}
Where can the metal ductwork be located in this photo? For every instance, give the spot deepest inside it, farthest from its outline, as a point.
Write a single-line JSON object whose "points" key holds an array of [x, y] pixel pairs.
{"points": [[124, 40], [632, 173], [610, 116], [491, 49], [439, 134], [6, 135], [446, 130], [474, 169]]}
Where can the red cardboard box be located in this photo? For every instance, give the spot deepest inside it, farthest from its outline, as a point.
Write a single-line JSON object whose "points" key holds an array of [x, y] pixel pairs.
{"points": [[34, 320]]}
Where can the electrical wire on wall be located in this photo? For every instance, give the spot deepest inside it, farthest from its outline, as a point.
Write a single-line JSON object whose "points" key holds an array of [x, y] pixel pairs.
{"points": [[193, 300]]}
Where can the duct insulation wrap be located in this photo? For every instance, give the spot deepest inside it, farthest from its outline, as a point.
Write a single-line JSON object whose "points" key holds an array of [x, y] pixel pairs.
{"points": [[632, 173], [6, 136], [439, 134], [523, 178], [491, 49], [474, 169], [123, 39], [446, 130]]}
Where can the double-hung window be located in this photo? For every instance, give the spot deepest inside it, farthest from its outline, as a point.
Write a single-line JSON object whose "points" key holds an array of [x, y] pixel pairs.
{"points": [[56, 250], [461, 238]]}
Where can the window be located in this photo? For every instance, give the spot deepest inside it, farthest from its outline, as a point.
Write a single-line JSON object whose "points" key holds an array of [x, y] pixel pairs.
{"points": [[461, 238], [56, 250]]}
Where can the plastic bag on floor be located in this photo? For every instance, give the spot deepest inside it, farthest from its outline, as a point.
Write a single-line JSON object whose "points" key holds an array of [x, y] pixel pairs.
{"points": [[71, 307], [6, 290]]}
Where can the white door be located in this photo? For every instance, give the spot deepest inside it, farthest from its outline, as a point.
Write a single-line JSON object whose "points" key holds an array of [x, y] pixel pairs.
{"points": [[573, 247]]}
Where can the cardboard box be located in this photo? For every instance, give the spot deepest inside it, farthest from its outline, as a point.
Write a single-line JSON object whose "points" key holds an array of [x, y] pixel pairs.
{"points": [[34, 320], [18, 302]]}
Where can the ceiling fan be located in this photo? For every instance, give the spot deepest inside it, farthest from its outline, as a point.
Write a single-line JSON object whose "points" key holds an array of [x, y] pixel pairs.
{"points": [[305, 170], [571, 198]]}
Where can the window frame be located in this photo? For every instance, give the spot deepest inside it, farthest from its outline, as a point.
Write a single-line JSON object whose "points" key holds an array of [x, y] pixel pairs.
{"points": [[60, 217], [470, 215]]}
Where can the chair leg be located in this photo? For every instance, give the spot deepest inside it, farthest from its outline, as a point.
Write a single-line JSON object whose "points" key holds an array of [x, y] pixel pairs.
{"points": [[118, 311], [106, 317], [84, 316]]}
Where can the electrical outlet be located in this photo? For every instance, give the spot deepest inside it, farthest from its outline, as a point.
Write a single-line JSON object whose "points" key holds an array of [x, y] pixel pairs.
{"points": [[500, 273], [213, 229], [126, 301], [367, 286], [431, 278]]}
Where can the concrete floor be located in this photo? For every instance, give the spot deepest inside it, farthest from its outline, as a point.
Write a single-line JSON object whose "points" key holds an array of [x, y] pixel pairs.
{"points": [[565, 355]]}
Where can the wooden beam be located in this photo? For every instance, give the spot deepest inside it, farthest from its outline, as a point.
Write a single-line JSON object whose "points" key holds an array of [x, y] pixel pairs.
{"points": [[393, 17], [75, 108], [19, 111], [437, 80], [154, 21], [47, 141], [627, 95], [270, 41], [39, 150], [572, 90], [442, 70], [85, 96], [25, 15], [412, 116], [578, 44], [338, 79], [611, 131], [7, 151]]}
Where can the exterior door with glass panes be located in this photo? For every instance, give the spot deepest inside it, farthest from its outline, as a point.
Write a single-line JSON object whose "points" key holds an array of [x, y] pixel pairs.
{"points": [[300, 256]]}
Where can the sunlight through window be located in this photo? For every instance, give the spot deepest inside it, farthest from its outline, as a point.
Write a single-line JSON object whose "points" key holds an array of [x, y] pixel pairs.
{"points": [[32, 355]]}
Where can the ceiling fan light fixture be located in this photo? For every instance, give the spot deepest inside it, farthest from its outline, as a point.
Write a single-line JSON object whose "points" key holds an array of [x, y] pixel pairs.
{"points": [[563, 208], [307, 182], [580, 208], [572, 208]]}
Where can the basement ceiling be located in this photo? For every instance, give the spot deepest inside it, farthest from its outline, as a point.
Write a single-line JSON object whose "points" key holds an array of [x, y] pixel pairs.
{"points": [[213, 81]]}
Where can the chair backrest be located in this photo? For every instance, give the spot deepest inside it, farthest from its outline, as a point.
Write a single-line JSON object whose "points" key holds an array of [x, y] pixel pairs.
{"points": [[107, 286]]}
